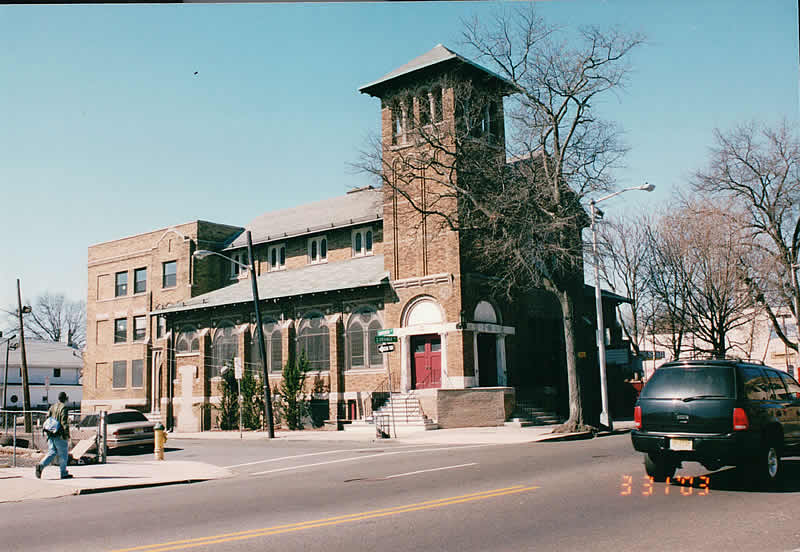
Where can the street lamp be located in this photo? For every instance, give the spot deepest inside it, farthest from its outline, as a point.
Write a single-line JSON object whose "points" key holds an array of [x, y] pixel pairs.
{"points": [[605, 418], [9, 347], [262, 351]]}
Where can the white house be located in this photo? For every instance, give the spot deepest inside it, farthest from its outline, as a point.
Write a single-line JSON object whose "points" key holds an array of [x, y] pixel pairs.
{"points": [[52, 367]]}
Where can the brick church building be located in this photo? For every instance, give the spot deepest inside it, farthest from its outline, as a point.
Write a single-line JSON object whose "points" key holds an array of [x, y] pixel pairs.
{"points": [[163, 322]]}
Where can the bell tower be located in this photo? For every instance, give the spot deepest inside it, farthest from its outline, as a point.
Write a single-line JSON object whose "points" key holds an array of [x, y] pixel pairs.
{"points": [[430, 108]]}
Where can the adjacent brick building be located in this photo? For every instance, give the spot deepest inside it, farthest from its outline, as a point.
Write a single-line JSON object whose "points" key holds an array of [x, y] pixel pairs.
{"points": [[163, 322]]}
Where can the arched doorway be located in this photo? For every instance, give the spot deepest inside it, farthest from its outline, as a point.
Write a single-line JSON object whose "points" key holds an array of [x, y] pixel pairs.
{"points": [[425, 357]]}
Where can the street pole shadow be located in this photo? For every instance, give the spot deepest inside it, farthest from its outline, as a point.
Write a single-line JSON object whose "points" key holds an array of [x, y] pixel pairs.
{"points": [[731, 479]]}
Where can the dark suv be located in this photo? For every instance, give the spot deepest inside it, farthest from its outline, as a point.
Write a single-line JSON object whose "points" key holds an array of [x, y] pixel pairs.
{"points": [[718, 413]]}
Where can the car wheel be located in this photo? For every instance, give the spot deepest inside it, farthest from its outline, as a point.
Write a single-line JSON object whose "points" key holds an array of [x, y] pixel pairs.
{"points": [[768, 467], [658, 467]]}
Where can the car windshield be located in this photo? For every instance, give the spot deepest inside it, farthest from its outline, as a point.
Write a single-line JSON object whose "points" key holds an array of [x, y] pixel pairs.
{"points": [[124, 417], [690, 382], [89, 421]]}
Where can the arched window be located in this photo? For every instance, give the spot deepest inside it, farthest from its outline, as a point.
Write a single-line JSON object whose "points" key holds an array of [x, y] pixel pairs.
{"points": [[313, 339], [362, 351], [188, 340], [224, 346], [273, 348]]}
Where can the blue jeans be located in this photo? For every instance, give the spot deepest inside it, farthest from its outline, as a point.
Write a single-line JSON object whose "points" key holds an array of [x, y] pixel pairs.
{"points": [[58, 446]]}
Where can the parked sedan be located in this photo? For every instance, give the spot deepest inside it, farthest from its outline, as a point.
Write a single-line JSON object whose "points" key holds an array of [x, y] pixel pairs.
{"points": [[125, 428]]}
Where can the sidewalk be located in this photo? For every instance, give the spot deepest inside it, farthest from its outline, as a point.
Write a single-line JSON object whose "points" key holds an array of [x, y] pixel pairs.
{"points": [[17, 484], [416, 435]]}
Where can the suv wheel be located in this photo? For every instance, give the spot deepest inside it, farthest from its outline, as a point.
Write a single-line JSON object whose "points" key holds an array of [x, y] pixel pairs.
{"points": [[768, 466], [658, 467]]}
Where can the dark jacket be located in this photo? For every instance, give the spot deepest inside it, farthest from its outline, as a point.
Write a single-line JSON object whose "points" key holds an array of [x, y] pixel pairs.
{"points": [[59, 412]]}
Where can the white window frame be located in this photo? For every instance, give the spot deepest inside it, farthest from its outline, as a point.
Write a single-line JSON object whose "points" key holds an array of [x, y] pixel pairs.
{"points": [[236, 270], [318, 240], [363, 233], [277, 249]]}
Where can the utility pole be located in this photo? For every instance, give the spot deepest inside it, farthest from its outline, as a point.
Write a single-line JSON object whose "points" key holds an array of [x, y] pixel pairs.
{"points": [[26, 392], [261, 348]]}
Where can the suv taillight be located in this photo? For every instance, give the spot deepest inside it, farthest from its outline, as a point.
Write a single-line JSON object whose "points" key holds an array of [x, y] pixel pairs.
{"points": [[740, 421], [637, 417]]}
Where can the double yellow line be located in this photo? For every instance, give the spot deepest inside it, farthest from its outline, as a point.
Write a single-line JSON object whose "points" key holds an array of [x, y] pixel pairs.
{"points": [[292, 527]]}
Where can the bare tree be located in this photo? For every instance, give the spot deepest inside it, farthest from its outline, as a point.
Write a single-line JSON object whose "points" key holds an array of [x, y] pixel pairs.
{"points": [[719, 300], [758, 167], [667, 276], [695, 275], [522, 218], [624, 246], [55, 318]]}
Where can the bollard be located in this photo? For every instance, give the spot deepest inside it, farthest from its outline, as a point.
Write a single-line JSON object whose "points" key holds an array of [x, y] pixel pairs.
{"points": [[102, 449], [160, 439]]}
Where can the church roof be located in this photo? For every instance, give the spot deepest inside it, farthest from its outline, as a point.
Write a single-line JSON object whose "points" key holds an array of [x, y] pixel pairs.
{"points": [[357, 207], [438, 55], [360, 272]]}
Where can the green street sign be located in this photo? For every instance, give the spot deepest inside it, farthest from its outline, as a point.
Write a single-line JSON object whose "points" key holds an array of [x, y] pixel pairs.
{"points": [[388, 331], [385, 339]]}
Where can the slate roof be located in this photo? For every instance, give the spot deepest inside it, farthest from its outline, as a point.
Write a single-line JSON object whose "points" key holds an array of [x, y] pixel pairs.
{"points": [[45, 354], [357, 207], [353, 273], [439, 54]]}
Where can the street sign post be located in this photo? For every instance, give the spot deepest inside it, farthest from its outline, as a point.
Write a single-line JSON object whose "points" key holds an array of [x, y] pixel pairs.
{"points": [[385, 339], [385, 348], [387, 331]]}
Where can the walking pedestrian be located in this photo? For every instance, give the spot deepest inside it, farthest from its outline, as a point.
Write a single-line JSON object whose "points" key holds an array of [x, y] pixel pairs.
{"points": [[58, 442]]}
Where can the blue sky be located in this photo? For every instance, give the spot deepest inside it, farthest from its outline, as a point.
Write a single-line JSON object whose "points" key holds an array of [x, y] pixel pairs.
{"points": [[105, 130]]}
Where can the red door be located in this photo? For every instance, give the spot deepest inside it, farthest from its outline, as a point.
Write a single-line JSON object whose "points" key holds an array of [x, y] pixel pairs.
{"points": [[427, 370]]}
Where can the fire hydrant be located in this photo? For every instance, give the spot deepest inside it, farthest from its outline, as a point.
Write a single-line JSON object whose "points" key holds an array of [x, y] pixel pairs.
{"points": [[160, 439]]}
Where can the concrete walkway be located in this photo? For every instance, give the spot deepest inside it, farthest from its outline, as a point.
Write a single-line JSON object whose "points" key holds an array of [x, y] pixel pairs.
{"points": [[18, 484], [21, 484]]}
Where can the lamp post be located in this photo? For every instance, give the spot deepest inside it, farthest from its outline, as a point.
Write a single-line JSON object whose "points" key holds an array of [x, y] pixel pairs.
{"points": [[12, 347], [605, 418], [261, 349]]}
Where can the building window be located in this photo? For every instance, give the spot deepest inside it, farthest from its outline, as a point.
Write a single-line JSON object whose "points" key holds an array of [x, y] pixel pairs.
{"points": [[188, 340], [121, 288], [436, 104], [120, 330], [314, 341], [140, 280], [362, 242], [318, 250], [139, 328], [137, 373], [161, 326], [225, 348], [56, 372], [362, 351], [273, 348], [119, 378], [237, 269], [277, 257], [169, 273]]}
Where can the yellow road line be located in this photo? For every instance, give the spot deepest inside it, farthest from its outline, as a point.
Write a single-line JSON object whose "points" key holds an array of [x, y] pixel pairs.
{"points": [[266, 531]]}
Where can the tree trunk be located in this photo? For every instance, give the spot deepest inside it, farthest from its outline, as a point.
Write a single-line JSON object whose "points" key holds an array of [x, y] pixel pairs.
{"points": [[575, 421]]}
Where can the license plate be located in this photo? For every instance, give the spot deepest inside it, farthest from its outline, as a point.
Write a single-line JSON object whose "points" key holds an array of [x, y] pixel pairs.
{"points": [[681, 444]]}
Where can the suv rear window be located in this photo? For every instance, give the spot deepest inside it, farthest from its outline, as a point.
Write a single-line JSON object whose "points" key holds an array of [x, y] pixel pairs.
{"points": [[681, 382], [123, 417]]}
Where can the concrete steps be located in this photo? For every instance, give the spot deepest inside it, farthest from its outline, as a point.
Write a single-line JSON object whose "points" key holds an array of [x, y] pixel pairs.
{"points": [[403, 410], [526, 415]]}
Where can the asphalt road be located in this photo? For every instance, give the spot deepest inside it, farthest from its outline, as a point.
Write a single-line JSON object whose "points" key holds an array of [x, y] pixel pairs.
{"points": [[581, 495]]}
